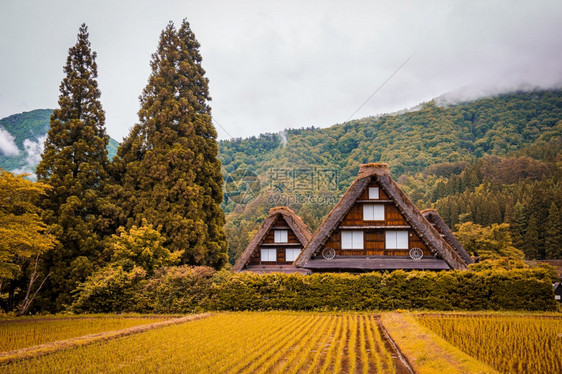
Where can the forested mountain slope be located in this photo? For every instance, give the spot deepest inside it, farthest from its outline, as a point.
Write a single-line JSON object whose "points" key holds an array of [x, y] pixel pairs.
{"points": [[472, 161], [28, 131]]}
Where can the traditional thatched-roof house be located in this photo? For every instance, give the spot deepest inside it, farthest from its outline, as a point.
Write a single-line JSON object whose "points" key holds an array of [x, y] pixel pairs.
{"points": [[436, 221], [558, 291], [375, 226], [276, 245]]}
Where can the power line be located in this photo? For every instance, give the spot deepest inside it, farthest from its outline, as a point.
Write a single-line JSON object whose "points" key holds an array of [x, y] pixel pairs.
{"points": [[223, 129], [381, 86]]}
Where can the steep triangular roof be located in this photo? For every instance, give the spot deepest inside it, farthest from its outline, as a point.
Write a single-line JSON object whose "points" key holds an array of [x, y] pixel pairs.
{"points": [[435, 219], [295, 223], [413, 216]]}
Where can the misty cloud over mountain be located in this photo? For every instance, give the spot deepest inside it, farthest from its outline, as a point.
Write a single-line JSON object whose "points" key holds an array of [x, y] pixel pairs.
{"points": [[8, 145]]}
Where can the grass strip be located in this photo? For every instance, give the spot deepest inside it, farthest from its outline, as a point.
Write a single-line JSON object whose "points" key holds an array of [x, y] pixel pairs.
{"points": [[427, 352], [363, 345]]}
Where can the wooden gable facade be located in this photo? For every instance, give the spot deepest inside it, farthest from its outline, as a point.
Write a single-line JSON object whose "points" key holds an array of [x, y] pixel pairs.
{"points": [[277, 244], [375, 226], [385, 231]]}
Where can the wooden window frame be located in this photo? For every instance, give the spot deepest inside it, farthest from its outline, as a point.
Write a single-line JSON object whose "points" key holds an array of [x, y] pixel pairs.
{"points": [[275, 232], [395, 248], [287, 250], [374, 218], [269, 250], [353, 245]]}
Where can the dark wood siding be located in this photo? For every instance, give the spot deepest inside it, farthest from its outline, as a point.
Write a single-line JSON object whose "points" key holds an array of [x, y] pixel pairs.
{"points": [[365, 194], [269, 242], [354, 217], [255, 259], [280, 224], [393, 217], [374, 244], [374, 238]]}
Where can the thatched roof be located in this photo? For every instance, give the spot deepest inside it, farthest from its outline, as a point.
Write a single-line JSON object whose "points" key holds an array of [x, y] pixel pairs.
{"points": [[295, 223], [435, 219], [413, 216], [371, 263]]}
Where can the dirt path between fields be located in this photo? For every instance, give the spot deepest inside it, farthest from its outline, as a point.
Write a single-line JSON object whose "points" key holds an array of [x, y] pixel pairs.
{"points": [[47, 348]]}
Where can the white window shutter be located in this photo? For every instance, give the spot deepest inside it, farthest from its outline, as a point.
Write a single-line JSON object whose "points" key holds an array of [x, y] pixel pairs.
{"points": [[280, 236], [291, 254], [373, 192], [358, 240], [268, 255], [368, 212], [378, 212], [373, 212], [390, 237], [402, 240], [346, 240]]}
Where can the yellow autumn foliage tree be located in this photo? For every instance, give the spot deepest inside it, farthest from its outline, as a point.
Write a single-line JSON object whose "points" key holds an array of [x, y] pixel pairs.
{"points": [[488, 242], [22, 232]]}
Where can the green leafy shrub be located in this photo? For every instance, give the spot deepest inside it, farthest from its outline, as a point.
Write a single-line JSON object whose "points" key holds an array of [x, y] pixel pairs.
{"points": [[112, 289], [141, 246], [178, 289]]}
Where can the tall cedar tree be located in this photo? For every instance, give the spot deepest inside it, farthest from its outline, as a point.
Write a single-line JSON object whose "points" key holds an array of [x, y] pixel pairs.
{"points": [[167, 167], [553, 235], [75, 163], [531, 239]]}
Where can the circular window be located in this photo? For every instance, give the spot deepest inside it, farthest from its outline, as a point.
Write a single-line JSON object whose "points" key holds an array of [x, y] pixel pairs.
{"points": [[329, 253], [416, 253]]}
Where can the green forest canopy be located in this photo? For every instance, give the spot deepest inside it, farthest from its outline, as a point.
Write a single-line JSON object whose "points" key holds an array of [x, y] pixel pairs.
{"points": [[472, 161]]}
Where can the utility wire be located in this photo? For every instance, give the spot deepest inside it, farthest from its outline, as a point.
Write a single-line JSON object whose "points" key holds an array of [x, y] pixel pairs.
{"points": [[223, 129], [380, 87]]}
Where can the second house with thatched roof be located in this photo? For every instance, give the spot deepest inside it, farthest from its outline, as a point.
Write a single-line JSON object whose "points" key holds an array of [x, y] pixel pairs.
{"points": [[277, 244], [436, 221], [375, 226]]}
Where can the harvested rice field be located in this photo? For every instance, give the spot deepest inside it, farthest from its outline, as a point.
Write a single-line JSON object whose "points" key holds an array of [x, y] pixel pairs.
{"points": [[234, 343], [287, 342], [27, 332], [508, 343]]}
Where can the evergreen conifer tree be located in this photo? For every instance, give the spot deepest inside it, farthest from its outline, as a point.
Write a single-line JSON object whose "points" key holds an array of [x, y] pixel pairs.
{"points": [[495, 215], [553, 235], [531, 239], [74, 163], [167, 167], [518, 225]]}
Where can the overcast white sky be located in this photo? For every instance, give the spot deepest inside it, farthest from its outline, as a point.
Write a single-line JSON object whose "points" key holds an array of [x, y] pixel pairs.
{"points": [[286, 64]]}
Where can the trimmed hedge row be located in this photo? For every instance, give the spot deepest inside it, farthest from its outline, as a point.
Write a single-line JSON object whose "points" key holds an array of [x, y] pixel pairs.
{"points": [[187, 289], [454, 290]]}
